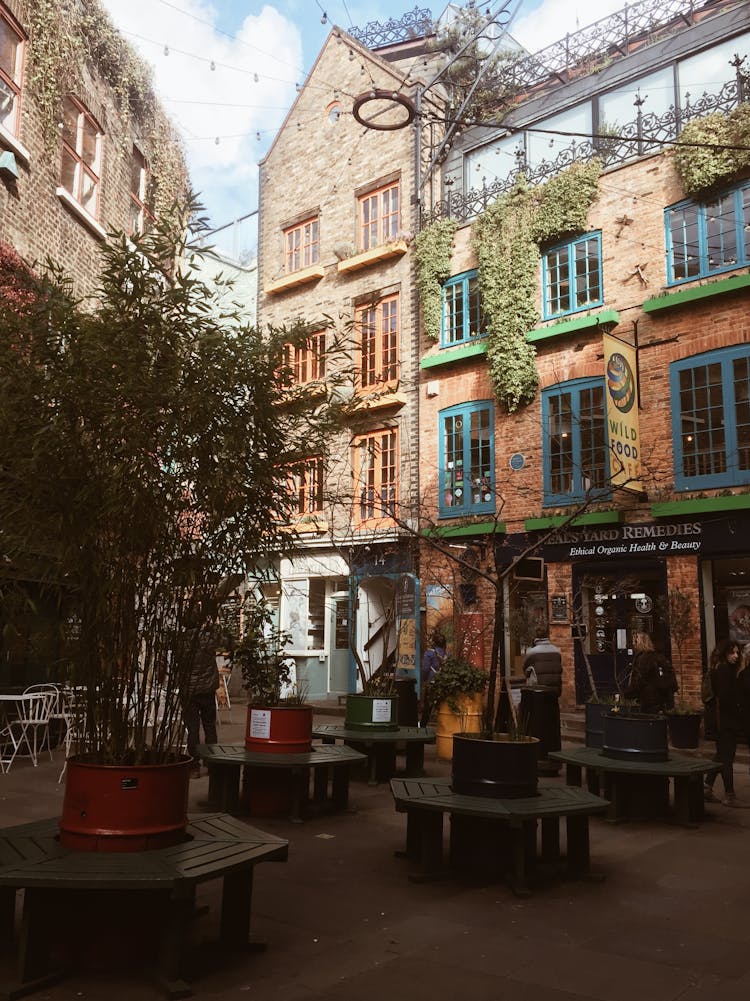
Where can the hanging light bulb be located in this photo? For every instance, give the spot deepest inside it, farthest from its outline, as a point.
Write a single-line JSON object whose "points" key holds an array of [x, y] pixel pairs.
{"points": [[166, 50], [255, 77], [213, 65], [324, 18], [257, 136], [297, 87], [216, 141]]}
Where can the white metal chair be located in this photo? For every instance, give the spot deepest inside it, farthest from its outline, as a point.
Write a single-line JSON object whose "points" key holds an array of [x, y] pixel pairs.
{"points": [[223, 702], [27, 731], [57, 712]]}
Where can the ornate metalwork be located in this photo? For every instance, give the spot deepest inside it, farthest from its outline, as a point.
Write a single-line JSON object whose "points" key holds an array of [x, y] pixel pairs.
{"points": [[646, 134], [375, 34], [594, 47]]}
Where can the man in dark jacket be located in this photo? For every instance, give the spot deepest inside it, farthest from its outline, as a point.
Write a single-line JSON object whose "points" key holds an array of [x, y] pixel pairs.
{"points": [[546, 660], [199, 698]]}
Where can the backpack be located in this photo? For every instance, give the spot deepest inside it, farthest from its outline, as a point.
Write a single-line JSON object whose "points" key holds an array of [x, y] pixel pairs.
{"points": [[707, 687]]}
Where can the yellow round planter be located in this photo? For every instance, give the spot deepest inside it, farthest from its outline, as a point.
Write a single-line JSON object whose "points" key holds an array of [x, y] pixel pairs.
{"points": [[468, 719]]}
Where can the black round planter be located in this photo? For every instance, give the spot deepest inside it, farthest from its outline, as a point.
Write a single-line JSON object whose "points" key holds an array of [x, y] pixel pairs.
{"points": [[595, 713], [635, 736], [684, 729], [501, 768]]}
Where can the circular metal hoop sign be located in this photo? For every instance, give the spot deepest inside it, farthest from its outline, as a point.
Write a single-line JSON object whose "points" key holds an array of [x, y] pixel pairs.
{"points": [[387, 110]]}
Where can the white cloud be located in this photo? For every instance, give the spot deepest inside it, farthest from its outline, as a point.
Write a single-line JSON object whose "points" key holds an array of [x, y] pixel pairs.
{"points": [[551, 20], [225, 102]]}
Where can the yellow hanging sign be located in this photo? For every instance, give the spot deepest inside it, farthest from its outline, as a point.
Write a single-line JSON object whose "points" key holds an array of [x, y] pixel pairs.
{"points": [[620, 371]]}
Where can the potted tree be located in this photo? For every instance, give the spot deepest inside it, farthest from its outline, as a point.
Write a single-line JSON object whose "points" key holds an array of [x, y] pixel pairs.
{"points": [[457, 690], [143, 436], [684, 720], [278, 719], [374, 706]]}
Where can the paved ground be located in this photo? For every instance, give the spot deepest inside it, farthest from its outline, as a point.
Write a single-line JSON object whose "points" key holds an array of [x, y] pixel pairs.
{"points": [[671, 920]]}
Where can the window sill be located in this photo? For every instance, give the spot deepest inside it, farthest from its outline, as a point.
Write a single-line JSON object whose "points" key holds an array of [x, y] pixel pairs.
{"points": [[9, 142], [459, 531], [701, 505], [605, 321], [296, 278], [310, 524], [377, 401], [397, 248], [451, 356], [592, 518], [672, 300], [80, 212]]}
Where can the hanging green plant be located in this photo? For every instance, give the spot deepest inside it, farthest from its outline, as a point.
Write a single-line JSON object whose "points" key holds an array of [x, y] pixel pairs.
{"points": [[65, 36], [432, 258], [702, 167], [506, 240]]}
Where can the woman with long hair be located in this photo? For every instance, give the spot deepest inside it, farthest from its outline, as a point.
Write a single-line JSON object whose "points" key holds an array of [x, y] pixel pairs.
{"points": [[731, 712], [652, 680]]}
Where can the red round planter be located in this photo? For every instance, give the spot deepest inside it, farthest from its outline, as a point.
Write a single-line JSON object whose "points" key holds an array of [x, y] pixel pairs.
{"points": [[280, 730], [119, 808]]}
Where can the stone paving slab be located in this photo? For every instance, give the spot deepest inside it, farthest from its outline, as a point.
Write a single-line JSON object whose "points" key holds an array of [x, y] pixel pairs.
{"points": [[668, 923]]}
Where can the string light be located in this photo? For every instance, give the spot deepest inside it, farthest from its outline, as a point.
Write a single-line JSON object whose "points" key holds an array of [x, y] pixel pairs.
{"points": [[166, 50]]}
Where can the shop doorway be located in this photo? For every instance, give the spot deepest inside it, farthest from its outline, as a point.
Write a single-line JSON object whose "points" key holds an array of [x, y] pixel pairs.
{"points": [[340, 631], [611, 604]]}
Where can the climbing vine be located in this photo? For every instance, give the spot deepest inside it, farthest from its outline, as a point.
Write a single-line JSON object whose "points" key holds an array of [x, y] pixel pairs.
{"points": [[65, 36], [702, 167], [432, 257], [506, 240]]}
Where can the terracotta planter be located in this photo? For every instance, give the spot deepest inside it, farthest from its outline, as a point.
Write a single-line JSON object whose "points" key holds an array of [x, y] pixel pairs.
{"points": [[279, 730], [119, 808], [501, 768], [468, 719], [371, 712]]}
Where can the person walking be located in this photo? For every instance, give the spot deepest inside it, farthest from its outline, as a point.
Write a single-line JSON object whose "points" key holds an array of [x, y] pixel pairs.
{"points": [[730, 711], [542, 664], [432, 661], [652, 680], [199, 697]]}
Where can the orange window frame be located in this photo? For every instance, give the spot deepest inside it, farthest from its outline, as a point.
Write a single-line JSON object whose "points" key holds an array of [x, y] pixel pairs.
{"points": [[378, 330], [375, 463], [307, 361], [302, 245], [379, 216], [81, 155], [11, 74], [306, 482]]}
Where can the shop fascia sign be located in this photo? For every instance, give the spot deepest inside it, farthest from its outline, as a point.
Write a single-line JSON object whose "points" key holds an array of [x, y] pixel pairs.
{"points": [[662, 539]]}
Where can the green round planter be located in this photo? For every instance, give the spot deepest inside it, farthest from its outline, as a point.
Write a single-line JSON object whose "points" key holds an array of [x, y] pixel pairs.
{"points": [[371, 712]]}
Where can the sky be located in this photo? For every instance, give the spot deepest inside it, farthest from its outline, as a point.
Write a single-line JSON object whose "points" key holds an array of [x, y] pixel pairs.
{"points": [[227, 71]]}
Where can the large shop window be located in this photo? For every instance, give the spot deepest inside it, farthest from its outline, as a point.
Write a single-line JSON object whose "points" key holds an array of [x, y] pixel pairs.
{"points": [[377, 328], [706, 238], [711, 419], [301, 245], [575, 441], [375, 463], [573, 276], [81, 158], [462, 310], [379, 216], [11, 73], [467, 459]]}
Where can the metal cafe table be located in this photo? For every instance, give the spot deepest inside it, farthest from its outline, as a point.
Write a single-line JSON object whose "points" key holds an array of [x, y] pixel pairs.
{"points": [[381, 747]]}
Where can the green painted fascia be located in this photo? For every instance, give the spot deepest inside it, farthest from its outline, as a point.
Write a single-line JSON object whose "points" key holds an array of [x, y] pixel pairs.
{"points": [[607, 318], [592, 518], [447, 357], [458, 531], [700, 505], [673, 299]]}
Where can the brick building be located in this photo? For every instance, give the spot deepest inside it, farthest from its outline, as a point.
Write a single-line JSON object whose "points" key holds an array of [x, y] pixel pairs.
{"points": [[626, 472], [85, 148]]}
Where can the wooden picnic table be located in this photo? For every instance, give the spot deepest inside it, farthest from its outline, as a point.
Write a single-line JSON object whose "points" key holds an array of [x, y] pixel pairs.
{"points": [[381, 747], [59, 883], [636, 787], [495, 836], [226, 761]]}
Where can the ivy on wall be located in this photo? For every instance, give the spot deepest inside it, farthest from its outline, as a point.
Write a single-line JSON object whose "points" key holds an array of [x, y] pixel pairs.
{"points": [[506, 240], [65, 36], [432, 258], [701, 167]]}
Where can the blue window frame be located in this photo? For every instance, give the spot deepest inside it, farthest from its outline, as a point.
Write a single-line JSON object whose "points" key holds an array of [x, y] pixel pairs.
{"points": [[572, 276], [711, 419], [463, 320], [706, 238], [467, 459], [574, 428]]}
